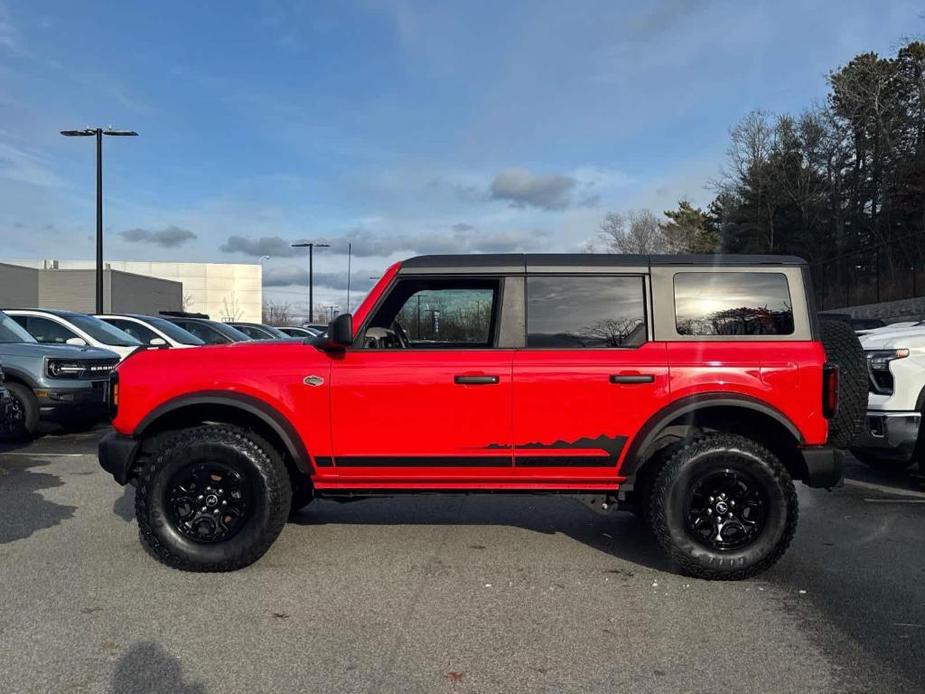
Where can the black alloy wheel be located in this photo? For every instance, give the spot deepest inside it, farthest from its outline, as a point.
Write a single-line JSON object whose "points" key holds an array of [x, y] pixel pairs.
{"points": [[726, 510], [208, 502]]}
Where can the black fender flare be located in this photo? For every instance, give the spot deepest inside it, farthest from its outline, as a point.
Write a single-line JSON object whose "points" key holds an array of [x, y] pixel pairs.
{"points": [[651, 430], [249, 404], [19, 376]]}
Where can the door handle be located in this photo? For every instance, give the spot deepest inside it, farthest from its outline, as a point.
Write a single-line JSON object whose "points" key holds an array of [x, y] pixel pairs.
{"points": [[475, 380], [632, 378]]}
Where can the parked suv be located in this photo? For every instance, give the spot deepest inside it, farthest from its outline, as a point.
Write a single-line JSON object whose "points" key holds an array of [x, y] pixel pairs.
{"points": [[692, 390], [57, 382], [896, 371], [57, 327]]}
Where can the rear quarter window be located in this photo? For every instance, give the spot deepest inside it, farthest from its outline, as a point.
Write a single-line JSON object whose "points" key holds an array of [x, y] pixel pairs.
{"points": [[732, 303]]}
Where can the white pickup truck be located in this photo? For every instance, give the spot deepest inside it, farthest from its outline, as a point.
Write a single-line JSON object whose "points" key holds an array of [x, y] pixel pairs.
{"points": [[896, 369]]}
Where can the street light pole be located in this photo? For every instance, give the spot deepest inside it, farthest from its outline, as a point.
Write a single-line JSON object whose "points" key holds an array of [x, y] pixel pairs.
{"points": [[98, 133], [311, 274]]}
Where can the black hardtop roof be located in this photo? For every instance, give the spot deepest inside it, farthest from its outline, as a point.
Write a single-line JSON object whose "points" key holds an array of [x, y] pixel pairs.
{"points": [[522, 261]]}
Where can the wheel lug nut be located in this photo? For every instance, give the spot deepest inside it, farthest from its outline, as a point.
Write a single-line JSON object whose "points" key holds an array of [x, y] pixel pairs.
{"points": [[200, 497], [215, 512], [224, 503], [729, 515], [203, 509]]}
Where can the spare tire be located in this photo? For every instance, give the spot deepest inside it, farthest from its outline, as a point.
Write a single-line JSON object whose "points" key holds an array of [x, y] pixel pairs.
{"points": [[843, 349]]}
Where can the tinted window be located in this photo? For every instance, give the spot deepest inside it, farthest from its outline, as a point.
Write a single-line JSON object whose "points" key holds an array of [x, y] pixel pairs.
{"points": [[174, 332], [732, 303], [45, 331], [424, 314], [136, 330], [102, 332], [204, 332], [585, 312], [13, 332]]}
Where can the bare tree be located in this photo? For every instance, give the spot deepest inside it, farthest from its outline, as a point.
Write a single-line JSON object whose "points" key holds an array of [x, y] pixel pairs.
{"points": [[187, 302], [277, 313], [637, 231], [231, 311]]}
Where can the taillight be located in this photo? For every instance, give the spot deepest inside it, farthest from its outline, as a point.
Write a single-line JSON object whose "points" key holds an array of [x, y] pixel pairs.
{"points": [[829, 390]]}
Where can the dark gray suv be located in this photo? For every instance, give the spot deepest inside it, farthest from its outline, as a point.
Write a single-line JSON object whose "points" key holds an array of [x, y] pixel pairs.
{"points": [[55, 382]]}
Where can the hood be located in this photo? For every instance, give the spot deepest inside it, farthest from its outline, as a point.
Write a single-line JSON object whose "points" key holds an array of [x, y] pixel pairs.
{"points": [[911, 338], [35, 349]]}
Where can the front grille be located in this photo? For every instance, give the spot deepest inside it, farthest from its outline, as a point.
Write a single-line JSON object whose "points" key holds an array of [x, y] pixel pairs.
{"points": [[98, 369]]}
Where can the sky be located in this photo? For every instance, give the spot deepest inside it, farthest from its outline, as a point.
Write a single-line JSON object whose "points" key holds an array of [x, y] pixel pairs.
{"points": [[399, 127]]}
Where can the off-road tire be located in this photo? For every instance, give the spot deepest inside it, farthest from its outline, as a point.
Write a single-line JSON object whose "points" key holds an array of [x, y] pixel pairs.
{"points": [[843, 349], [30, 408], [236, 447], [668, 507]]}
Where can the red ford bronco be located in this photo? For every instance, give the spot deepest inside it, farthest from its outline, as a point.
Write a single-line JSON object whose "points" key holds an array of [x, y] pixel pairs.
{"points": [[692, 390]]}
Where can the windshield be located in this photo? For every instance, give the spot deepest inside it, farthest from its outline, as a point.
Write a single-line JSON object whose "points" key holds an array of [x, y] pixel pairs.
{"points": [[101, 331], [173, 331], [12, 332]]}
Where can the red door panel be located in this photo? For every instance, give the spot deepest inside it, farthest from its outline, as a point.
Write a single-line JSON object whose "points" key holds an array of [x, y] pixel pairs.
{"points": [[421, 414], [574, 410]]}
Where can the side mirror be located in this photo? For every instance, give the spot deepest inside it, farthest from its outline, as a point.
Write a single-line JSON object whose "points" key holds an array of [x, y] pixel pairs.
{"points": [[158, 342], [76, 342], [340, 333]]}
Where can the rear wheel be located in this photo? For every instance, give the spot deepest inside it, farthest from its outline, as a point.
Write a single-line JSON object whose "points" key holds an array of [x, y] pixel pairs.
{"points": [[211, 498], [843, 349], [723, 507], [23, 422]]}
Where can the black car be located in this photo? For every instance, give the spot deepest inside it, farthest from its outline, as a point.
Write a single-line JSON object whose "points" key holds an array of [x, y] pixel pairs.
{"points": [[259, 331], [209, 331]]}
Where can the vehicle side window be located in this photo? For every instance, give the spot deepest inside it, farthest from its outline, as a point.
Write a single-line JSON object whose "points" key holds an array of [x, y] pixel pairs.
{"points": [[45, 330], [203, 332], [732, 303], [590, 312], [436, 314], [137, 330]]}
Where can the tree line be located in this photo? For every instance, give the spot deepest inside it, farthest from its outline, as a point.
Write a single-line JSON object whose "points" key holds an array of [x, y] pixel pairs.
{"points": [[841, 177]]}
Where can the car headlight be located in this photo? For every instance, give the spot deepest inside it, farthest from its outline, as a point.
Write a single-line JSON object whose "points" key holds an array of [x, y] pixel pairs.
{"points": [[62, 368], [879, 359]]}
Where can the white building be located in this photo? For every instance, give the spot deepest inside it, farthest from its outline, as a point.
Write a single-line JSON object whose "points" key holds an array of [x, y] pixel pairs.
{"points": [[225, 291]]}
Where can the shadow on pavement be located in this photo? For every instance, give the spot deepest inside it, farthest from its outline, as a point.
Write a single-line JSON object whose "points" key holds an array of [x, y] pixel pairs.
{"points": [[908, 479], [124, 506], [23, 510], [147, 667], [619, 534]]}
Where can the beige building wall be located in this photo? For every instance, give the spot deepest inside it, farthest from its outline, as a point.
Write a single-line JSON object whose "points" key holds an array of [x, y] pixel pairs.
{"points": [[225, 291], [19, 286]]}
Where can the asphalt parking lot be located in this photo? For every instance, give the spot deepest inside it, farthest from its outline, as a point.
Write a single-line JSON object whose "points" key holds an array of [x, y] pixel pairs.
{"points": [[448, 594]]}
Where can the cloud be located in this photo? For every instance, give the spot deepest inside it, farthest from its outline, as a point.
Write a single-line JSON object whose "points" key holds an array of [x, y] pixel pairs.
{"points": [[521, 188], [461, 238], [273, 246], [169, 237], [292, 275]]}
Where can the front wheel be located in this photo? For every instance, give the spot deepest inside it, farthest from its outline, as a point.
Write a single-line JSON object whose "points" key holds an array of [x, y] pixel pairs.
{"points": [[212, 498], [723, 508], [23, 420]]}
